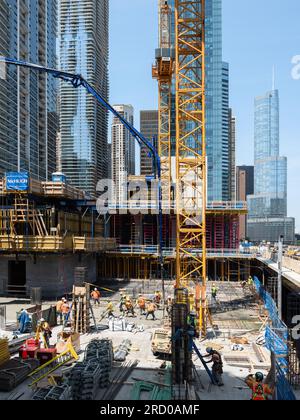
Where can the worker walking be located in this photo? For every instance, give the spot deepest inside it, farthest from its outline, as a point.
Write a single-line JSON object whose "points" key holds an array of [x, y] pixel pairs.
{"points": [[110, 310], [169, 305], [122, 306], [214, 292], [59, 313], [46, 332], [151, 308], [141, 303], [129, 307], [96, 295], [217, 368], [158, 298], [260, 391]]}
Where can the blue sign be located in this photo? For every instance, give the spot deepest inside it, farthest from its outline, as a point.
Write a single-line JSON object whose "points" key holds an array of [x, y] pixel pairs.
{"points": [[17, 181]]}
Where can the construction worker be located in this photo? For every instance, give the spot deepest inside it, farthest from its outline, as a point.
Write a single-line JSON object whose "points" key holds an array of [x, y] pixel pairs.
{"points": [[151, 308], [59, 313], [158, 298], [46, 331], [250, 281], [169, 305], [129, 307], [260, 391], [110, 310], [96, 295], [141, 303], [122, 306], [214, 292], [24, 322], [217, 368], [65, 309]]}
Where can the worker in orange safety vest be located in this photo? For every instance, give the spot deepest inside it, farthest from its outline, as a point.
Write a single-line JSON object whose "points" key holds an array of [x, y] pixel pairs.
{"points": [[96, 295], [141, 303], [260, 390], [151, 308]]}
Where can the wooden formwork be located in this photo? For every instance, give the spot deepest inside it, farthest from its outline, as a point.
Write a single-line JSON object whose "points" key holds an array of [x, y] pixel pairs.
{"points": [[60, 189]]}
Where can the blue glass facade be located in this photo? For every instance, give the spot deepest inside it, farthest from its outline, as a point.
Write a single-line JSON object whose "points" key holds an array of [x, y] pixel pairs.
{"points": [[268, 206], [84, 123], [270, 189], [28, 126]]}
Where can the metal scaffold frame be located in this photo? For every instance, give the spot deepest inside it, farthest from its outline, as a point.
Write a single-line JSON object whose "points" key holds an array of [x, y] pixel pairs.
{"points": [[191, 150]]}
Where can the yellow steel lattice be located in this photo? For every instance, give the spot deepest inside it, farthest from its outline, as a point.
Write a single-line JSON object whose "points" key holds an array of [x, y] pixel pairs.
{"points": [[191, 149]]}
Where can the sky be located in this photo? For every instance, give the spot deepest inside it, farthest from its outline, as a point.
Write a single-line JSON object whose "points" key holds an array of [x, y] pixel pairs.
{"points": [[257, 35]]}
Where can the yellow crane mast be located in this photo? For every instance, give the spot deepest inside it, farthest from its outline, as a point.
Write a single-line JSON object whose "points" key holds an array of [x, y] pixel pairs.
{"points": [[163, 71], [191, 153]]}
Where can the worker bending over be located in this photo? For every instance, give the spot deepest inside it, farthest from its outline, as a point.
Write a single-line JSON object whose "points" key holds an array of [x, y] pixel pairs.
{"points": [[151, 308], [217, 368], [260, 391], [141, 303], [96, 295]]}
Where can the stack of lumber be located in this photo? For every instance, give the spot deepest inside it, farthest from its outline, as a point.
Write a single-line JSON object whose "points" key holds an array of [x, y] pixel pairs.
{"points": [[81, 311], [16, 371], [4, 351]]}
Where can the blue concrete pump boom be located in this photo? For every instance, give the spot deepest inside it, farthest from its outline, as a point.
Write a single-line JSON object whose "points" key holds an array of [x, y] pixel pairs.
{"points": [[77, 81]]}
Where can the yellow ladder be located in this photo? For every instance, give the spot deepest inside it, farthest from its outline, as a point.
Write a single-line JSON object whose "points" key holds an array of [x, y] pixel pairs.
{"points": [[54, 364]]}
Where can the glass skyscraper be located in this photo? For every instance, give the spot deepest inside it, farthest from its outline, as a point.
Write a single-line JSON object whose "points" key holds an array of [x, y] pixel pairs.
{"points": [[84, 50], [270, 191], [269, 201], [217, 105], [28, 99]]}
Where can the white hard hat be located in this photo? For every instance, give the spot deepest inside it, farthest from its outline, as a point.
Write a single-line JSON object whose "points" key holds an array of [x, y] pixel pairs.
{"points": [[42, 320]]}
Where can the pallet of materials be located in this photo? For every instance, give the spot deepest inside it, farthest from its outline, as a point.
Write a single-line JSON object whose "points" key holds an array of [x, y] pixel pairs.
{"points": [[15, 371]]}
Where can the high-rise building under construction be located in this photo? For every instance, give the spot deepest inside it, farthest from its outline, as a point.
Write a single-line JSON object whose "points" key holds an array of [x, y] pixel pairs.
{"points": [[83, 44], [28, 100]]}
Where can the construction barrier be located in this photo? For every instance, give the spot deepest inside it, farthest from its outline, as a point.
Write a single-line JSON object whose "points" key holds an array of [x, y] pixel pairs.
{"points": [[284, 389], [277, 342]]}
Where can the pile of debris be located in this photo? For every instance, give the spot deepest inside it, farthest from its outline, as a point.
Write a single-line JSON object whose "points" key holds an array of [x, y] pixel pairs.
{"points": [[93, 373]]}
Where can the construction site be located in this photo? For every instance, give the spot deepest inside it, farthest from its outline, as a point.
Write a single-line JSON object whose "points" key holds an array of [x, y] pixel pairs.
{"points": [[136, 302]]}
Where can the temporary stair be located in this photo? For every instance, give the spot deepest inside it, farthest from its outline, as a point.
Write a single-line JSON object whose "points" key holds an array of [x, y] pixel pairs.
{"points": [[48, 368]]}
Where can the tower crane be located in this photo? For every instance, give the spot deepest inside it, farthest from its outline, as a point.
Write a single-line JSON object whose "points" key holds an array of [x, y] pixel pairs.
{"points": [[163, 71]]}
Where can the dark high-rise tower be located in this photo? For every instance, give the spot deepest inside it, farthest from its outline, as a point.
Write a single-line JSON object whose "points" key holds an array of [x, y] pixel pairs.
{"points": [[28, 123]]}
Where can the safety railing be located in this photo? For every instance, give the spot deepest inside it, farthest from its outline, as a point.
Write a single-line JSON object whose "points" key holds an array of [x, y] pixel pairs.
{"points": [[171, 252], [167, 205], [277, 336]]}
